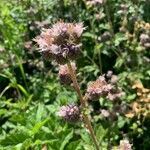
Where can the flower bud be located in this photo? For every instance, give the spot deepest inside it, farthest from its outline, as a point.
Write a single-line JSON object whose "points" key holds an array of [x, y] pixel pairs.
{"points": [[64, 74], [109, 74]]}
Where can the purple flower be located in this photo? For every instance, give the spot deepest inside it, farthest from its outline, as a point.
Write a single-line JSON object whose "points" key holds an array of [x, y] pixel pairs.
{"points": [[94, 2], [70, 113], [105, 113], [61, 41], [103, 88], [109, 74], [125, 145], [98, 88], [145, 40]]}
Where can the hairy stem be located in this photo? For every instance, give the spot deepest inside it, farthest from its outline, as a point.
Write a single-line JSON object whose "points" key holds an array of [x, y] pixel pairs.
{"points": [[83, 105]]}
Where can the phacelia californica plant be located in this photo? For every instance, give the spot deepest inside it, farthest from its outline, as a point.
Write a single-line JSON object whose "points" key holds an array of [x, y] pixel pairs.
{"points": [[61, 43]]}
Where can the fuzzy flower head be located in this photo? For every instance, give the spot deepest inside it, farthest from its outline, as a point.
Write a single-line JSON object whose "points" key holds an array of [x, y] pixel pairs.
{"points": [[70, 113], [98, 88], [109, 74], [125, 145], [61, 41], [114, 95], [64, 74], [105, 113], [95, 2], [145, 40], [105, 86]]}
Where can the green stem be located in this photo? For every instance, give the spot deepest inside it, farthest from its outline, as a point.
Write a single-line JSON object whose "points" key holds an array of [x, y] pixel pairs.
{"points": [[100, 61], [109, 18], [83, 105], [118, 53]]}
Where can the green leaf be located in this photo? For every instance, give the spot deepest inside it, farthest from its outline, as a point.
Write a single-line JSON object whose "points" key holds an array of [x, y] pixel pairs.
{"points": [[88, 147], [119, 62], [40, 112], [75, 145], [101, 133], [23, 90], [38, 126], [121, 122], [66, 140], [119, 37], [131, 97], [15, 138], [85, 137], [89, 35]]}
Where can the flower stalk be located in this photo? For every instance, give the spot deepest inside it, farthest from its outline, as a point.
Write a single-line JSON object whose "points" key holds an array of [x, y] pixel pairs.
{"points": [[83, 105], [61, 43]]}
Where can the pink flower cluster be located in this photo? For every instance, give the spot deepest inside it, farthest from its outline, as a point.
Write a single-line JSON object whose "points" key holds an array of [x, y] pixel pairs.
{"points": [[98, 88], [104, 88], [94, 2], [145, 40], [125, 145], [61, 41], [70, 113]]}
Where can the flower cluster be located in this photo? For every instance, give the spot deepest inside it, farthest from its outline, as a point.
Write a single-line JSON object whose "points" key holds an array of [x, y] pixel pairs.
{"points": [[98, 88], [145, 40], [61, 41], [123, 9], [142, 26], [125, 145], [70, 113], [104, 86], [94, 2], [141, 106], [64, 74], [105, 113]]}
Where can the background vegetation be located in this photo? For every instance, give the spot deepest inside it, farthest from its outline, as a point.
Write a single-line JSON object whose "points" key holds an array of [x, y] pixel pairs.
{"points": [[30, 92]]}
